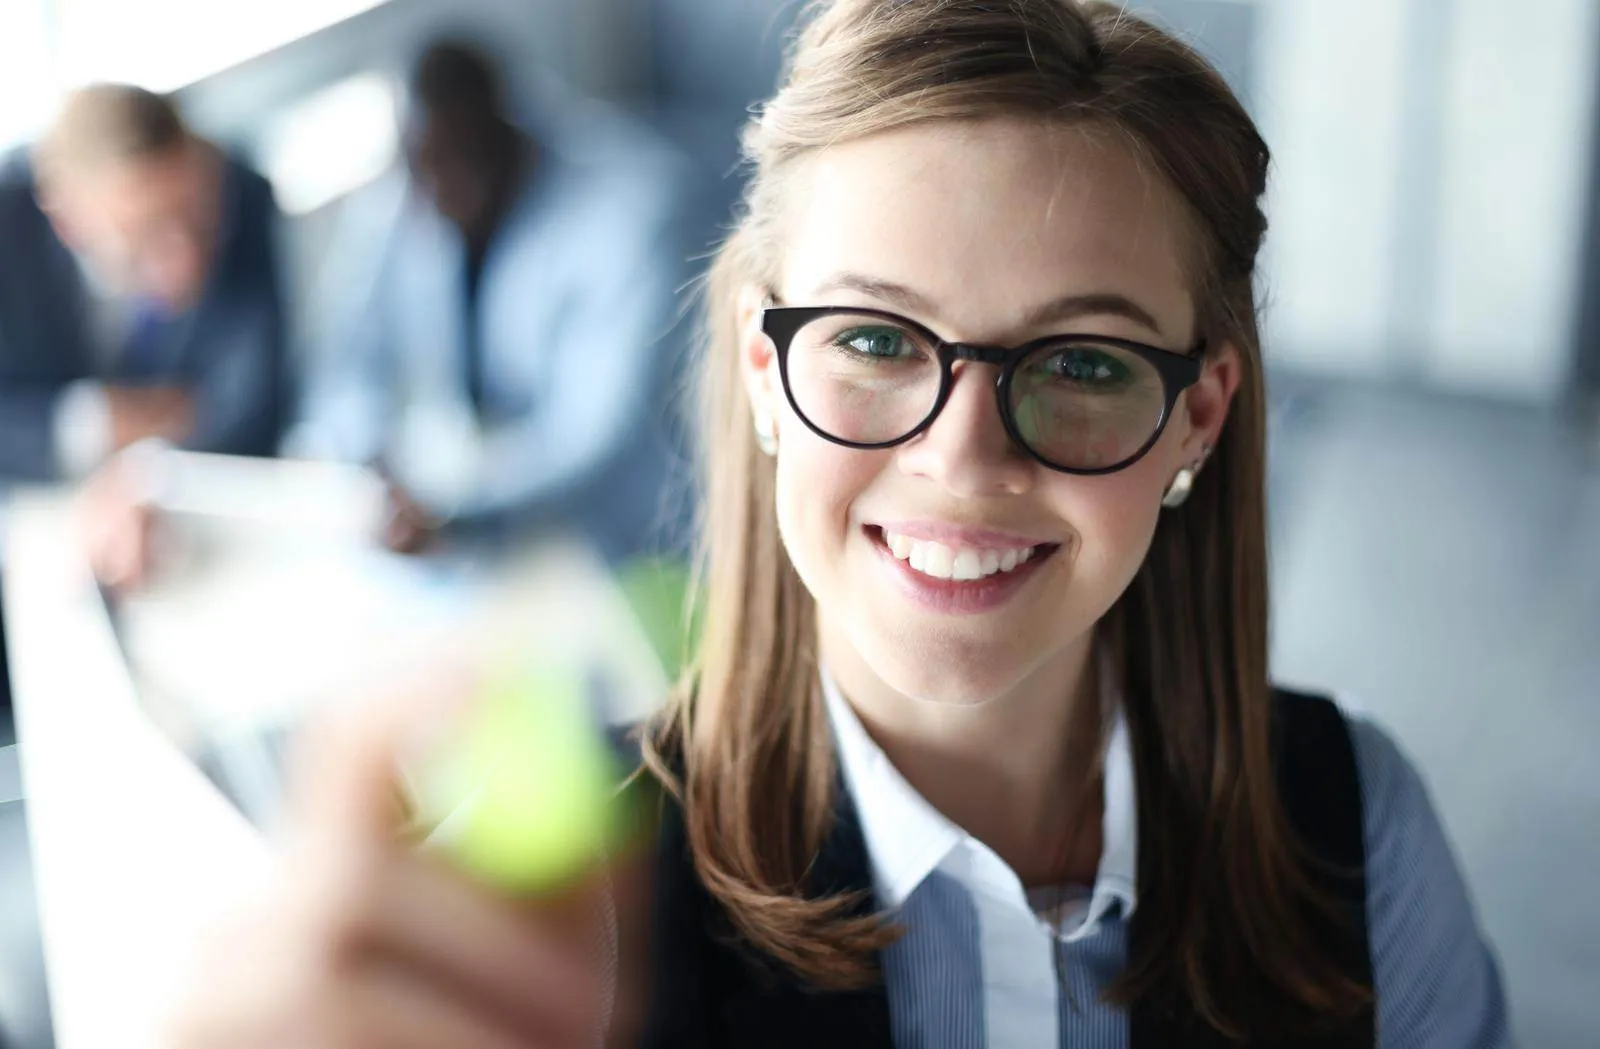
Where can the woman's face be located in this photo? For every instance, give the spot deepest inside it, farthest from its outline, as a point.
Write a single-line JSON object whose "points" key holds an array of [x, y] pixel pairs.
{"points": [[994, 232]]}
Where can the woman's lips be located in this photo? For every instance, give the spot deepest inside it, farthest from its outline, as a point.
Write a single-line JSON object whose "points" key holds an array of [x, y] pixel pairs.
{"points": [[959, 596]]}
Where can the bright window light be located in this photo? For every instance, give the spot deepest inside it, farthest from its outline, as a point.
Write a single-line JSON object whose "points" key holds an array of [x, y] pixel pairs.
{"points": [[27, 79], [332, 142], [165, 44]]}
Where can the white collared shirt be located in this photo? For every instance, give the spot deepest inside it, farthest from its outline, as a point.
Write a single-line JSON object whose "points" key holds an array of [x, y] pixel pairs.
{"points": [[979, 968], [908, 841]]}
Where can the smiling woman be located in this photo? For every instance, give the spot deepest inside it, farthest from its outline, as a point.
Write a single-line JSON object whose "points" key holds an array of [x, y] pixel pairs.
{"points": [[979, 747], [985, 318]]}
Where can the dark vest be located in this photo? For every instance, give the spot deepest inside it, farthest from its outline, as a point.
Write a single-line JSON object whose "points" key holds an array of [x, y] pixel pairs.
{"points": [[711, 993]]}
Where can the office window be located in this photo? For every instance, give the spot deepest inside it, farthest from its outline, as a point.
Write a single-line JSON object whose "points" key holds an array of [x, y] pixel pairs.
{"points": [[27, 77], [165, 44], [331, 142]]}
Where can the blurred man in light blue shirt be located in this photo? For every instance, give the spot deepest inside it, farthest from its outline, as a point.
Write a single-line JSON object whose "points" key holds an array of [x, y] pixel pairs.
{"points": [[503, 347]]}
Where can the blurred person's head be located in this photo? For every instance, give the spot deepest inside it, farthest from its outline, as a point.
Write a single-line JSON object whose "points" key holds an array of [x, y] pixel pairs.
{"points": [[1042, 178], [132, 192], [462, 147]]}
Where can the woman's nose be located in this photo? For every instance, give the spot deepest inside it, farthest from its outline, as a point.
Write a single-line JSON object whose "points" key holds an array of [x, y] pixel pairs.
{"points": [[967, 449]]}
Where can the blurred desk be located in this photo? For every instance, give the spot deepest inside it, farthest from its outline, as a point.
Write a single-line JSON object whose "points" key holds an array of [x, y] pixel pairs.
{"points": [[136, 853], [10, 775]]}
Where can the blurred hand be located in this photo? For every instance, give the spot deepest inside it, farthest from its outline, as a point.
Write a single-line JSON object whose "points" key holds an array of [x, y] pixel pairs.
{"points": [[366, 943], [117, 526], [140, 412], [407, 527]]}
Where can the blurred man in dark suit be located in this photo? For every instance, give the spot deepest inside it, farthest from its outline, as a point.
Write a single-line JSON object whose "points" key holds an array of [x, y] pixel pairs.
{"points": [[139, 292]]}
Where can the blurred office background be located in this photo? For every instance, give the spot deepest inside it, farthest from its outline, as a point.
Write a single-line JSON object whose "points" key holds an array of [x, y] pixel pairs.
{"points": [[1434, 339]]}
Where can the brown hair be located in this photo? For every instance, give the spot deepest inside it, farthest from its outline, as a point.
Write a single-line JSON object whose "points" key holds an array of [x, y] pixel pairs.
{"points": [[745, 743], [109, 123]]}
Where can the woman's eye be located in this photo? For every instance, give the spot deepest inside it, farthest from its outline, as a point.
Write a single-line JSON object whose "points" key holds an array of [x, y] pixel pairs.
{"points": [[874, 342], [1088, 367]]}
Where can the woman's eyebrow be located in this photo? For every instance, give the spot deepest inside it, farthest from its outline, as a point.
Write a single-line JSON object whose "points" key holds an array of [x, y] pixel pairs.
{"points": [[1071, 307], [900, 295], [1056, 311]]}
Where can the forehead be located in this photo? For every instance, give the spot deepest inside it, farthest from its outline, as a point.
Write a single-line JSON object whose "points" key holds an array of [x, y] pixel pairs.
{"points": [[987, 221], [136, 185]]}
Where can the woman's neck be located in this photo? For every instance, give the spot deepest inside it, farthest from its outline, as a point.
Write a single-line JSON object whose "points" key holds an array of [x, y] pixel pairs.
{"points": [[1019, 772]]}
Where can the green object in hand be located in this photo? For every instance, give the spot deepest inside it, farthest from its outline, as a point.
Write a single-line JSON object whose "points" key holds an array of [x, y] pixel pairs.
{"points": [[657, 590], [525, 798]]}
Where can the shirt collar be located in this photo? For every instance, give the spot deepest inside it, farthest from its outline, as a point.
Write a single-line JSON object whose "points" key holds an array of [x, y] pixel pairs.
{"points": [[907, 838]]}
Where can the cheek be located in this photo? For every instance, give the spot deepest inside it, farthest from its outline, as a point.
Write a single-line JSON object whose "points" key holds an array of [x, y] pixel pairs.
{"points": [[1115, 518], [1116, 514], [817, 484]]}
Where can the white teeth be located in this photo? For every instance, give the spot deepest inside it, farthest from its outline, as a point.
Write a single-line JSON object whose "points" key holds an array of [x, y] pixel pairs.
{"points": [[962, 564], [939, 561]]}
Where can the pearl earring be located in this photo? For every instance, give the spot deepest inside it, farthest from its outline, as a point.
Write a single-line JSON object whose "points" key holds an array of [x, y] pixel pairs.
{"points": [[1177, 492], [766, 433]]}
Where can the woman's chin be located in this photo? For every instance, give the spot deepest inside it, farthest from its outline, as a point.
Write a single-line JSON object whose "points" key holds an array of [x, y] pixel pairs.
{"points": [[948, 680], [962, 667]]}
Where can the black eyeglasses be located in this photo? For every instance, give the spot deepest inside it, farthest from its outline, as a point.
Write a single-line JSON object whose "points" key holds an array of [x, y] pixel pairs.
{"points": [[1081, 404]]}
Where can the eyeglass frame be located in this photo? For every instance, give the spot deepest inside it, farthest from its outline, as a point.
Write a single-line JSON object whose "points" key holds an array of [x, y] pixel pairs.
{"points": [[1178, 370]]}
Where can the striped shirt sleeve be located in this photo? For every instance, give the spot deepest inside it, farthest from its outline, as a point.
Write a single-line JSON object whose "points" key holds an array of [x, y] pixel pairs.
{"points": [[1436, 981]]}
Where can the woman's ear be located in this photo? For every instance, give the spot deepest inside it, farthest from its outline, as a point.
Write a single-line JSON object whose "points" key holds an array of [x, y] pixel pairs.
{"points": [[758, 358], [1207, 402]]}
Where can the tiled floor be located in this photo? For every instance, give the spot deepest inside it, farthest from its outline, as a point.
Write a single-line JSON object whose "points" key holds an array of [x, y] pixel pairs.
{"points": [[1438, 562]]}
